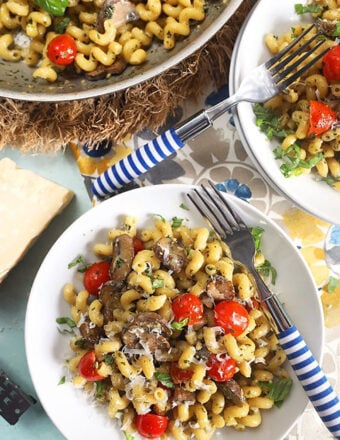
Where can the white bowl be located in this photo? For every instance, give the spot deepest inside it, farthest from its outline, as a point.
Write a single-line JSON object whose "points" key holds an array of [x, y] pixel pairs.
{"points": [[315, 197], [16, 79], [46, 348]]}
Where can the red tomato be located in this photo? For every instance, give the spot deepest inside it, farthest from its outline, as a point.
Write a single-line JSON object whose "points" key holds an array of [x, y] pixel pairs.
{"points": [[187, 306], [331, 64], [87, 367], [178, 375], [151, 425], [62, 50], [96, 275], [321, 117], [220, 368], [231, 316], [138, 245]]}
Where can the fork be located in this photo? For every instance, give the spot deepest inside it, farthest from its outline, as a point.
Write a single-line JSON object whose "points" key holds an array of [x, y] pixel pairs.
{"points": [[232, 230], [264, 82]]}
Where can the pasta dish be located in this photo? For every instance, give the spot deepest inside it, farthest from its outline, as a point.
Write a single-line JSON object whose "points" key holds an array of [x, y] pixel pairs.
{"points": [[305, 117], [167, 333], [96, 38]]}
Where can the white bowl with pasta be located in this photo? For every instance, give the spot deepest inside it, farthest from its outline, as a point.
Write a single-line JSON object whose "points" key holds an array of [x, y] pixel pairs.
{"points": [[72, 411], [309, 191], [28, 74]]}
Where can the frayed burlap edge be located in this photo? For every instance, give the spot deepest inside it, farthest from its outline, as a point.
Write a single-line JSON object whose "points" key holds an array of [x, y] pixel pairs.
{"points": [[48, 127]]}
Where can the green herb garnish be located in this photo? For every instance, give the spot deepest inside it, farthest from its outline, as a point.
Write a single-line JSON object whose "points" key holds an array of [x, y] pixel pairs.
{"points": [[179, 325], [156, 283], [184, 206], [80, 262], [267, 269], [333, 283], [257, 233], [61, 25], [176, 222], [108, 358], [278, 390], [99, 389], [268, 122], [64, 320], [305, 9], [336, 32], [164, 379], [128, 436], [293, 165], [62, 381], [54, 7]]}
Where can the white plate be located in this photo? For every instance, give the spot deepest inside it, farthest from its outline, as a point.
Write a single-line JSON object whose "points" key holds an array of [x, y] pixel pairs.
{"points": [[317, 198], [16, 79], [46, 348]]}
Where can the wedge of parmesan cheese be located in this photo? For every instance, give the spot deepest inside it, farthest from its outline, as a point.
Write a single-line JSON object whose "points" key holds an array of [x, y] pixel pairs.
{"points": [[28, 202]]}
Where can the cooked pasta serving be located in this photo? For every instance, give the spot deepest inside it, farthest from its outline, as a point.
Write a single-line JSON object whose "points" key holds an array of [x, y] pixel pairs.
{"points": [[97, 38], [169, 336], [305, 117]]}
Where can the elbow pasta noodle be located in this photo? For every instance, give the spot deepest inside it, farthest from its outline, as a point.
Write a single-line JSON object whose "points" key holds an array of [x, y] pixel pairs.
{"points": [[292, 107], [128, 34], [127, 344]]}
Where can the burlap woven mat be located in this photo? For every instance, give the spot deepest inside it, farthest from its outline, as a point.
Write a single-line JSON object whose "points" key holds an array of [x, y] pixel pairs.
{"points": [[46, 127]]}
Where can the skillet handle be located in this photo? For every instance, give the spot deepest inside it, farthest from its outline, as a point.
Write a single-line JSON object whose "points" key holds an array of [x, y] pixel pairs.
{"points": [[312, 378]]}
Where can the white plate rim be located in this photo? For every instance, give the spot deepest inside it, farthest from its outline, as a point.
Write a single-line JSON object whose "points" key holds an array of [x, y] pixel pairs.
{"points": [[290, 188], [31, 327]]}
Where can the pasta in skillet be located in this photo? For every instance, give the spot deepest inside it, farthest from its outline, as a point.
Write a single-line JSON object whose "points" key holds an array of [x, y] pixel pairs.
{"points": [[305, 117], [96, 38], [156, 343]]}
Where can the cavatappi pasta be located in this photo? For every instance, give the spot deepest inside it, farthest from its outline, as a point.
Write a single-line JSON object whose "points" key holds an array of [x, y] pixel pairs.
{"points": [[302, 148], [108, 34], [154, 353]]}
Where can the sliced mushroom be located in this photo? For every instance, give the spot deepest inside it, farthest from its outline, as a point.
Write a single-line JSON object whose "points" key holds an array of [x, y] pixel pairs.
{"points": [[221, 289], [326, 27], [122, 257], [109, 295], [171, 254], [90, 333], [102, 72], [149, 331], [181, 395], [119, 11], [232, 391]]}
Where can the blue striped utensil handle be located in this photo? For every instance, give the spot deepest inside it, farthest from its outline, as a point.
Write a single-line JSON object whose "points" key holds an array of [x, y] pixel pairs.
{"points": [[137, 163], [312, 378]]}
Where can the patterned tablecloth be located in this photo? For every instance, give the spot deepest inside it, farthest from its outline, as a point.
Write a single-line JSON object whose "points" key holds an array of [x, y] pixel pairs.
{"points": [[218, 154]]}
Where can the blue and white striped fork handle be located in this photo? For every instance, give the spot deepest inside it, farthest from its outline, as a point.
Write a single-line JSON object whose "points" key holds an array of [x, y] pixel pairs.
{"points": [[312, 378], [137, 163]]}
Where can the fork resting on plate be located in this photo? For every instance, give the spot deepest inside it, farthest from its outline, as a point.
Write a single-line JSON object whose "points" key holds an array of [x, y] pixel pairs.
{"points": [[232, 230], [262, 83]]}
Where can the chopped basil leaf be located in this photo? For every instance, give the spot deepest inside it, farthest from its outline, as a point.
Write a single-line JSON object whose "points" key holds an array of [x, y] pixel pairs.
{"points": [[61, 25], [267, 269], [184, 206], [292, 163], [333, 283], [99, 389], [304, 9], [176, 222], [108, 359], [179, 325], [78, 261], [160, 217], [156, 283], [257, 233], [62, 381], [277, 390], [336, 32], [164, 379], [80, 343], [68, 322], [268, 122], [54, 7]]}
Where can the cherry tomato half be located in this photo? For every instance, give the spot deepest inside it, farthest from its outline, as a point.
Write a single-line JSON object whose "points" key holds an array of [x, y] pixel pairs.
{"points": [[151, 425], [95, 276], [231, 316], [331, 64], [178, 375], [220, 367], [138, 245], [62, 50], [188, 306], [87, 367], [321, 117]]}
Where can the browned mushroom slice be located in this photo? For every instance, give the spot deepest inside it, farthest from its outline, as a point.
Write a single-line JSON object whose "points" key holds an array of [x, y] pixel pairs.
{"points": [[171, 255], [109, 295], [182, 395], [232, 391], [102, 72], [326, 27], [221, 289], [149, 331], [122, 257], [90, 333]]}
